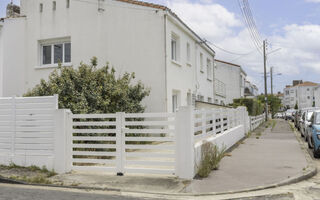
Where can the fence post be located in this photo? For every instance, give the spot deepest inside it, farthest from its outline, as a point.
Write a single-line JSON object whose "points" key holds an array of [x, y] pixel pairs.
{"points": [[184, 138], [62, 141], [120, 144], [221, 120]]}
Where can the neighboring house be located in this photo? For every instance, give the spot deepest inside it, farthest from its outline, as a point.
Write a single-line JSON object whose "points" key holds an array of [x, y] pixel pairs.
{"points": [[250, 90], [301, 93], [133, 36], [233, 78]]}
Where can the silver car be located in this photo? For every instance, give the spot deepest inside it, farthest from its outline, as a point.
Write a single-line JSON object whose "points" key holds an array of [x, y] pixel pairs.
{"points": [[305, 122]]}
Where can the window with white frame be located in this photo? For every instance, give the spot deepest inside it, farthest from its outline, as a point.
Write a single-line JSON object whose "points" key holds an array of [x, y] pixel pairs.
{"points": [[54, 53], [175, 48], [209, 70], [188, 53], [201, 62]]}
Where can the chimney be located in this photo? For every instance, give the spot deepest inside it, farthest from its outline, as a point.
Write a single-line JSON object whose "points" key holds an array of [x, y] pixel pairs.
{"points": [[296, 82], [13, 10]]}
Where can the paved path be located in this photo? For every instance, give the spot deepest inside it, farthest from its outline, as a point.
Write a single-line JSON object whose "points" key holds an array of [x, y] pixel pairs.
{"points": [[274, 157]]}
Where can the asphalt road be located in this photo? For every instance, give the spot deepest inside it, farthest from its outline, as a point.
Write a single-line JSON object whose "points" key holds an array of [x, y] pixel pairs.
{"points": [[14, 192]]}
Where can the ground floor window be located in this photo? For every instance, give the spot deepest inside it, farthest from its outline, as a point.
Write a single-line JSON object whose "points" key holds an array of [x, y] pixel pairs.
{"points": [[54, 53]]}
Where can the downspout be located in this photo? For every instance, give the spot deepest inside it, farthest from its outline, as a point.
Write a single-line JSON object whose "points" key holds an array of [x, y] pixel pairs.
{"points": [[165, 61]]}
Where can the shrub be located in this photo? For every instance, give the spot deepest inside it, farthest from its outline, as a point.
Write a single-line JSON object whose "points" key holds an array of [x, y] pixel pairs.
{"points": [[88, 89], [254, 106]]}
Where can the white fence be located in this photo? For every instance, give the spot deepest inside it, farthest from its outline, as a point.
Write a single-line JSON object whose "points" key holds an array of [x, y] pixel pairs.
{"points": [[256, 121], [34, 132], [27, 130]]}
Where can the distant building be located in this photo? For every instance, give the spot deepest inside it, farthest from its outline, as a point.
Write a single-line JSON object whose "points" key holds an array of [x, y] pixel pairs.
{"points": [[233, 78], [301, 94]]}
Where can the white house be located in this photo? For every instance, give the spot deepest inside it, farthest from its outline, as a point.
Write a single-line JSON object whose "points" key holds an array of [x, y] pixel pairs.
{"points": [[301, 94], [233, 77], [133, 36], [250, 89]]}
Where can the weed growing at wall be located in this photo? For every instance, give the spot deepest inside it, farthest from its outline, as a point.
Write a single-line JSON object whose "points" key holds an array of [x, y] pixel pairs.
{"points": [[211, 156]]}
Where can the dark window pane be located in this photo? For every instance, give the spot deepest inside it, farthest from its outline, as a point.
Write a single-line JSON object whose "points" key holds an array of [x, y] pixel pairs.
{"points": [[46, 55], [67, 52], [58, 53]]}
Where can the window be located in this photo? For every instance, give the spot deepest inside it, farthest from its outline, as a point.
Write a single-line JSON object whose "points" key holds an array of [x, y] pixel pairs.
{"points": [[287, 92], [308, 97], [189, 99], [209, 70], [209, 100], [41, 7], [308, 89], [175, 48], [291, 91], [174, 102], [188, 53], [201, 62], [56, 53], [68, 3], [54, 5]]}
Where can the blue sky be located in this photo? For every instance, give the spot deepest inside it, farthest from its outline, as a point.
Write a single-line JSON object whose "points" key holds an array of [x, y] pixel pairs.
{"points": [[292, 25]]}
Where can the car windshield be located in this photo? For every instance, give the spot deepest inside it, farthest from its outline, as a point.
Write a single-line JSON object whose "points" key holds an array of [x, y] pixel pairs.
{"points": [[317, 120]]}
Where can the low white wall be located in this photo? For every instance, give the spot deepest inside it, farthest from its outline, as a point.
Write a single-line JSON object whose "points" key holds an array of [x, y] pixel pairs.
{"points": [[224, 140]]}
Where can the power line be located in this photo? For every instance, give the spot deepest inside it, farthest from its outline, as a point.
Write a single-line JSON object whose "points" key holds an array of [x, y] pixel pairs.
{"points": [[230, 52]]}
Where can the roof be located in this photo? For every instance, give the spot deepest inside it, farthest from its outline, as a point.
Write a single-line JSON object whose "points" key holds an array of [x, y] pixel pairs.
{"points": [[228, 63], [164, 8], [308, 83], [146, 4]]}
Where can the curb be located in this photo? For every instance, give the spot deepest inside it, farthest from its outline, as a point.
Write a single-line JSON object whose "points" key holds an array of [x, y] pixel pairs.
{"points": [[310, 172]]}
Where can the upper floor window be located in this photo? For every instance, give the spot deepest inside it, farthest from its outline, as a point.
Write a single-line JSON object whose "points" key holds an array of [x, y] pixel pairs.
{"points": [[54, 5], [188, 53], [56, 53], [308, 89], [209, 69], [174, 47], [40, 7], [68, 3], [201, 62]]}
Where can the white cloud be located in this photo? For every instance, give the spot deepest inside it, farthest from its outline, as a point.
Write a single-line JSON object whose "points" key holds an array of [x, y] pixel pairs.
{"points": [[313, 1]]}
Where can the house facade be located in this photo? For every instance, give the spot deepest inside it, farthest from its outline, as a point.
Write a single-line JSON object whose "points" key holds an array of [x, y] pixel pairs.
{"points": [[133, 36], [301, 93], [233, 77]]}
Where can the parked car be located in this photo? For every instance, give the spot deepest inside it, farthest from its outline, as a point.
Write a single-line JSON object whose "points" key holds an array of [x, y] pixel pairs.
{"points": [[314, 129], [279, 115], [297, 119], [306, 121], [289, 114]]}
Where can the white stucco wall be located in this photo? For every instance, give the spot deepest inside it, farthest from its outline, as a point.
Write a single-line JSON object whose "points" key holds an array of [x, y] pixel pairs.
{"points": [[230, 75], [305, 96], [130, 39]]}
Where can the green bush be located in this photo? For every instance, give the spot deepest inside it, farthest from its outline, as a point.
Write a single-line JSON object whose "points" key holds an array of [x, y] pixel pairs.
{"points": [[88, 89], [254, 106]]}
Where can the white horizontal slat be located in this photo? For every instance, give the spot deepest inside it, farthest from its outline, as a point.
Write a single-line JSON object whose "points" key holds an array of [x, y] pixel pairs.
{"points": [[106, 123], [5, 106], [34, 141], [34, 152], [199, 128], [34, 129], [35, 123], [34, 146], [149, 171], [164, 147], [5, 123], [6, 134], [150, 155], [34, 111], [6, 117], [38, 99], [98, 161], [149, 131], [94, 130], [93, 153], [5, 140], [35, 106], [149, 163], [89, 138], [94, 146], [6, 129], [148, 123], [93, 116], [149, 115], [6, 112], [36, 117], [158, 139], [34, 135], [94, 168], [197, 120]]}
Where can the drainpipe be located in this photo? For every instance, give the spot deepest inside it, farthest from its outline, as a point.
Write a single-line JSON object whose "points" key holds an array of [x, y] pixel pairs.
{"points": [[165, 61]]}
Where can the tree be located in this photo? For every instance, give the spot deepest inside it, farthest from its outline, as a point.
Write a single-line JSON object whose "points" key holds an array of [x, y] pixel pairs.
{"points": [[88, 89], [296, 106], [274, 103]]}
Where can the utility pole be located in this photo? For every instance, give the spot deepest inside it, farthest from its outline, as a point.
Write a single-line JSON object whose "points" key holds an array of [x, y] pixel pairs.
{"points": [[265, 79], [271, 76]]}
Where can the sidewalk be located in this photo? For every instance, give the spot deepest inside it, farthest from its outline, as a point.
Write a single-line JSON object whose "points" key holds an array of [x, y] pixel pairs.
{"points": [[260, 161]]}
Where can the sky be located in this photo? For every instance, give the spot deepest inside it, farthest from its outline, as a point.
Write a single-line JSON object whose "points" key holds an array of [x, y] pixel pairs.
{"points": [[291, 25]]}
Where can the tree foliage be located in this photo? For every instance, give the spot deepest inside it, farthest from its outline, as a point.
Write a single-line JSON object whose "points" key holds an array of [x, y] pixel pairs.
{"points": [[274, 103], [254, 106], [88, 89]]}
